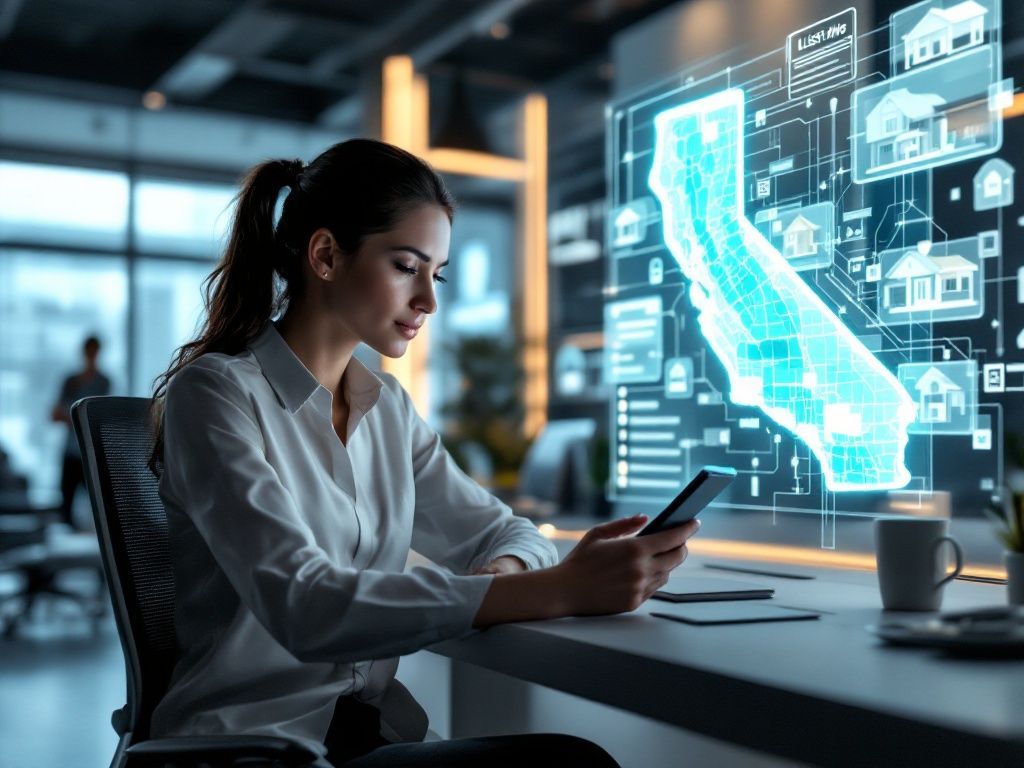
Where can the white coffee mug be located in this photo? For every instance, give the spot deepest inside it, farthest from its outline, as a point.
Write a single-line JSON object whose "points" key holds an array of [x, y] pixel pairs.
{"points": [[912, 562]]}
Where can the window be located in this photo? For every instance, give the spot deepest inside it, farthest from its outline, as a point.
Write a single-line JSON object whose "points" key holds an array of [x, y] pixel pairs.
{"points": [[182, 218], [63, 206], [169, 300], [141, 307], [49, 303]]}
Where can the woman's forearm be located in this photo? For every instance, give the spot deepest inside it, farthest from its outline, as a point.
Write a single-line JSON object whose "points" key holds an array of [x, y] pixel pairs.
{"points": [[525, 596], [607, 572]]}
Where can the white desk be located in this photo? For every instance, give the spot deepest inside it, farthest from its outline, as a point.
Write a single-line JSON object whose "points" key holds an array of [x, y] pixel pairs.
{"points": [[823, 692]]}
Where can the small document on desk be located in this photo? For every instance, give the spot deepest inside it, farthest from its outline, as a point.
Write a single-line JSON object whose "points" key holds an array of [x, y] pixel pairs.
{"points": [[700, 589], [731, 613]]}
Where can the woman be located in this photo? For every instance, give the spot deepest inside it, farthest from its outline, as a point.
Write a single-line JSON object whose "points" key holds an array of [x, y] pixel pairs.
{"points": [[296, 481]]}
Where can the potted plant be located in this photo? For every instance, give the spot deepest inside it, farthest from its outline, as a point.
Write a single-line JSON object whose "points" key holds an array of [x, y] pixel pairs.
{"points": [[1007, 511], [487, 411], [1009, 519]]}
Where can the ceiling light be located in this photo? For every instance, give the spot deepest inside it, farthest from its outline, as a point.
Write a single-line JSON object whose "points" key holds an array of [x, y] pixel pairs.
{"points": [[500, 30], [154, 100], [460, 128]]}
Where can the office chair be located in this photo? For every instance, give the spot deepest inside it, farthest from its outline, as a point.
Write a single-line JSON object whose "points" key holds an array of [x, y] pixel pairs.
{"points": [[116, 438], [38, 562]]}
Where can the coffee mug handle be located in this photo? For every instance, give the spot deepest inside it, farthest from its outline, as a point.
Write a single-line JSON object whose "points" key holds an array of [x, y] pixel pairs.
{"points": [[958, 556]]}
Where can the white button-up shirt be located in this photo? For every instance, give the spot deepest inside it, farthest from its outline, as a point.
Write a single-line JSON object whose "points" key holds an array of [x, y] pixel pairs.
{"points": [[289, 547]]}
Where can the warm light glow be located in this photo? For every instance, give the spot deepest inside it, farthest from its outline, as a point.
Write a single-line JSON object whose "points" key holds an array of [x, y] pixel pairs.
{"points": [[588, 340], [780, 553], [500, 30], [1016, 109], [154, 100], [404, 122], [547, 530], [419, 120], [399, 127], [396, 123], [535, 264], [469, 163]]}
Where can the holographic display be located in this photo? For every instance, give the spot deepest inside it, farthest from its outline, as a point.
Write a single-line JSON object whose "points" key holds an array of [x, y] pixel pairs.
{"points": [[809, 271], [783, 350]]}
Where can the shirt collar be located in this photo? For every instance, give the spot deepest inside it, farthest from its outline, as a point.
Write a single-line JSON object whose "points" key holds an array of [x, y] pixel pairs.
{"points": [[294, 385]]}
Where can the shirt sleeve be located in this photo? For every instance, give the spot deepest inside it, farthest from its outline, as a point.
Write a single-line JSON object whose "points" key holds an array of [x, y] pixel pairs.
{"points": [[457, 523], [216, 471]]}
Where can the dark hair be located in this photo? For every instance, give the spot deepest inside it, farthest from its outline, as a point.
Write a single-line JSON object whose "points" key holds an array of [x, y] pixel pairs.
{"points": [[91, 341], [353, 189]]}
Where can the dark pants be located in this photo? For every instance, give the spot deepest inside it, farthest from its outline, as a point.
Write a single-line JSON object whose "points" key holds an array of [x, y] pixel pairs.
{"points": [[72, 475], [354, 741]]}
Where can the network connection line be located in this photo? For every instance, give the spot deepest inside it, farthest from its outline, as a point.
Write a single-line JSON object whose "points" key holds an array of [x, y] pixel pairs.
{"points": [[785, 352]]}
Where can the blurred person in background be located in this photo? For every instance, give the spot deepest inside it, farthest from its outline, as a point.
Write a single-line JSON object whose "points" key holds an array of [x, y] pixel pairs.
{"points": [[89, 382]]}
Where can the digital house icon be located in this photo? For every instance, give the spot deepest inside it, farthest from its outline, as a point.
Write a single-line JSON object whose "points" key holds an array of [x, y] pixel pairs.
{"points": [[627, 227], [800, 238], [938, 397], [943, 31], [919, 282], [993, 185]]}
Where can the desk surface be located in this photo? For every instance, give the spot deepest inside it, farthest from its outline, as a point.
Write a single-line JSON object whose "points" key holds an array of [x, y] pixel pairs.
{"points": [[824, 691]]}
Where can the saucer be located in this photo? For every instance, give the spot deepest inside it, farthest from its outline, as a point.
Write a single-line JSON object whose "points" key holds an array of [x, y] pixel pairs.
{"points": [[983, 631]]}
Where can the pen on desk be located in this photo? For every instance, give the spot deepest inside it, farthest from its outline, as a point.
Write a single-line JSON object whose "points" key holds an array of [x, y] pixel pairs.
{"points": [[758, 571], [980, 579]]}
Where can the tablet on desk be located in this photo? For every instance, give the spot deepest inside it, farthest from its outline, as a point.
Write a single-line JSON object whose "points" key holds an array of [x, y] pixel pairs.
{"points": [[698, 493], [732, 613], [688, 589]]}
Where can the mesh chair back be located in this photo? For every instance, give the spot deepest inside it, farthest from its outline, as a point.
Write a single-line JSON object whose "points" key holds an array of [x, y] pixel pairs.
{"points": [[116, 438]]}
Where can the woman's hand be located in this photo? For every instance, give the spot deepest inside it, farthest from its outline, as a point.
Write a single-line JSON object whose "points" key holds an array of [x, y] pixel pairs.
{"points": [[611, 571], [503, 564]]}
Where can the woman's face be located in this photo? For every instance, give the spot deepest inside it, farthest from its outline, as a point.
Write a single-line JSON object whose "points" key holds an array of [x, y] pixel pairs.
{"points": [[385, 290]]}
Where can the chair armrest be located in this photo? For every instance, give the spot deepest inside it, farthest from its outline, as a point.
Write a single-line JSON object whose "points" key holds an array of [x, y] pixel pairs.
{"points": [[221, 750]]}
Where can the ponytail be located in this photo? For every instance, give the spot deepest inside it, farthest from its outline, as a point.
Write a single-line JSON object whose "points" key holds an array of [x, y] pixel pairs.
{"points": [[239, 294], [354, 189]]}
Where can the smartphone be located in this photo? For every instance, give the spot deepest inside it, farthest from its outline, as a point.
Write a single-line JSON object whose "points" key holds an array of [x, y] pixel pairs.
{"points": [[698, 493]]}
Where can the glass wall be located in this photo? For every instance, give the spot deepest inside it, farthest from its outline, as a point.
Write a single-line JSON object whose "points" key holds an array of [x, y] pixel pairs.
{"points": [[49, 303], [168, 309], [55, 205], [93, 252], [180, 218]]}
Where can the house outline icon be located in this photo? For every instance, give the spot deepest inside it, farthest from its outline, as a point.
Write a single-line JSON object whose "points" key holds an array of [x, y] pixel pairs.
{"points": [[938, 396], [798, 238], [627, 227], [993, 185], [944, 31]]}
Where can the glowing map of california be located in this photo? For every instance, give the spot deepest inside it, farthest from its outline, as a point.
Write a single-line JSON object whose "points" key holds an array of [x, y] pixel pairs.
{"points": [[783, 349]]}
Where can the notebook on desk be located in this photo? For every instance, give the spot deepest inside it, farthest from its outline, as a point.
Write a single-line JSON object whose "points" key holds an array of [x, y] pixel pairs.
{"points": [[730, 613], [699, 589]]}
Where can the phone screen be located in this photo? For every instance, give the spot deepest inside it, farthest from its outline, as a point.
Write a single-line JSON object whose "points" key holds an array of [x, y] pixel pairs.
{"points": [[698, 493]]}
